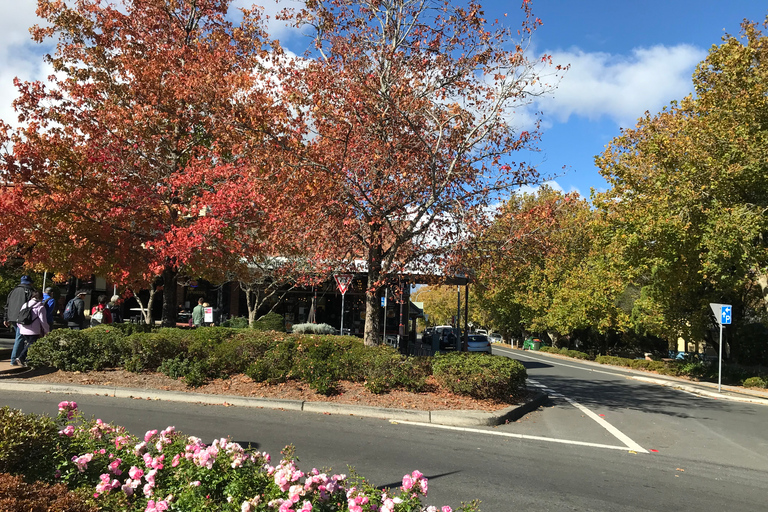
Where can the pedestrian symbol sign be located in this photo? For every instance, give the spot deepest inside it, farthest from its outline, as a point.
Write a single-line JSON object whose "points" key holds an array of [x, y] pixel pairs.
{"points": [[725, 314]]}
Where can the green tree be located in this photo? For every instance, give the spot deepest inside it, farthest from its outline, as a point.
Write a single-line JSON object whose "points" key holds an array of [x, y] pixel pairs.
{"points": [[688, 196]]}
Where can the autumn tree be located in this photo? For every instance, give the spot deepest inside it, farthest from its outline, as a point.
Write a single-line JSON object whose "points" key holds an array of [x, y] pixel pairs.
{"points": [[410, 107], [543, 266], [152, 147], [689, 196]]}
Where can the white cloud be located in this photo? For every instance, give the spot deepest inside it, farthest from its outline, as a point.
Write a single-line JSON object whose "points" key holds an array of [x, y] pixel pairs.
{"points": [[621, 87], [19, 55], [533, 189]]}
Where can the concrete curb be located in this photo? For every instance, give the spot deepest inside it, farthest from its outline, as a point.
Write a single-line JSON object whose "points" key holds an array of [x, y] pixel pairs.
{"points": [[699, 391], [462, 418]]}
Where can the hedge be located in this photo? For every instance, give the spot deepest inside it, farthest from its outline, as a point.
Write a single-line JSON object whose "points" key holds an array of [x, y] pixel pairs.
{"points": [[322, 361]]}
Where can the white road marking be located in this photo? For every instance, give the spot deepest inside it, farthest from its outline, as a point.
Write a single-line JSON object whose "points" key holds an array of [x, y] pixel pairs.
{"points": [[516, 436], [618, 434]]}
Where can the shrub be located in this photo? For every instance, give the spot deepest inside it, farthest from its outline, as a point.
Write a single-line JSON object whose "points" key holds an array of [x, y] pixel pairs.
{"points": [[15, 494], [270, 322], [277, 364], [755, 382], [387, 369], [195, 373], [547, 349], [615, 361], [238, 322], [479, 376], [90, 349], [27, 443], [147, 351], [116, 471], [313, 329], [578, 355]]}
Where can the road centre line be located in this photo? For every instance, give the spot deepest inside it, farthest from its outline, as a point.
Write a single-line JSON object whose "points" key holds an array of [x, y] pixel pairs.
{"points": [[618, 434], [516, 436]]}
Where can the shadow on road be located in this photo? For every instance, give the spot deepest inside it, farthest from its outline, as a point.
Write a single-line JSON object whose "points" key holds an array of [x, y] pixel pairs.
{"points": [[530, 365], [429, 477], [648, 398]]}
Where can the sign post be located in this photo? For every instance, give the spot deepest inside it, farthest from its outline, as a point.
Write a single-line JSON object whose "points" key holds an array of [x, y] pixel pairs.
{"points": [[342, 281], [384, 305], [723, 313]]}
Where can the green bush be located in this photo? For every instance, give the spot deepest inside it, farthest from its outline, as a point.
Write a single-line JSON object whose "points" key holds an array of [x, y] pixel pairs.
{"points": [[277, 364], [270, 322], [386, 369], [479, 376], [577, 355], [89, 349], [755, 382], [313, 329], [238, 322], [27, 444], [615, 361], [548, 349], [147, 351]]}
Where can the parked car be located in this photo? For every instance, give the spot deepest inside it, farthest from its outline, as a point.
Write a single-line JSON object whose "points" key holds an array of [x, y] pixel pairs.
{"points": [[481, 331], [448, 336], [479, 343], [495, 338]]}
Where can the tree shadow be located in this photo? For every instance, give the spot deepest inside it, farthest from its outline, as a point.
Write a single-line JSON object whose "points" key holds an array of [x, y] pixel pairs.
{"points": [[429, 477], [619, 394]]}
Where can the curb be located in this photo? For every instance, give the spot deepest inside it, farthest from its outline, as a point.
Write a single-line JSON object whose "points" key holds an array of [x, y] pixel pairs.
{"points": [[729, 392], [699, 391], [462, 418]]}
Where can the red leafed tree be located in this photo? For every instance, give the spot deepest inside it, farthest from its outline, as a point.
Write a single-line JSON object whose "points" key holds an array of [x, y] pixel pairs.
{"points": [[411, 107], [152, 148]]}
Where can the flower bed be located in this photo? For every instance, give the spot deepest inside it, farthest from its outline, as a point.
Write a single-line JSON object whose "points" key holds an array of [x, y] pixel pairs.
{"points": [[107, 467]]}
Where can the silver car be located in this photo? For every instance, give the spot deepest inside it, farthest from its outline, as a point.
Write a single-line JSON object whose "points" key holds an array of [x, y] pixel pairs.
{"points": [[495, 338], [479, 343]]}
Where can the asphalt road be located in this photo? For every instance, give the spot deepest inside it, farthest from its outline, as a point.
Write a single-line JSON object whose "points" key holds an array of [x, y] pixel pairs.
{"points": [[590, 448]]}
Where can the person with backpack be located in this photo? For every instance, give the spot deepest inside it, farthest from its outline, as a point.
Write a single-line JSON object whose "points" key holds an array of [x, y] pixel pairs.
{"points": [[74, 312], [37, 326], [16, 299], [50, 305], [114, 309], [100, 313]]}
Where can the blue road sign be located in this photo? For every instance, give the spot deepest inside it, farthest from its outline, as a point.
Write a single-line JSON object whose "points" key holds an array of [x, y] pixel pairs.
{"points": [[725, 315], [383, 300]]}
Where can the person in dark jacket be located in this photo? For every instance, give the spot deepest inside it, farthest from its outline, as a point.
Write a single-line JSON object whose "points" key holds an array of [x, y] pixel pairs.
{"points": [[79, 314], [17, 298], [50, 306]]}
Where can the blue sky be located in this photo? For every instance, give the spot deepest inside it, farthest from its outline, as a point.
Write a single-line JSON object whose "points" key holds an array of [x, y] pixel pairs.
{"points": [[626, 57]]}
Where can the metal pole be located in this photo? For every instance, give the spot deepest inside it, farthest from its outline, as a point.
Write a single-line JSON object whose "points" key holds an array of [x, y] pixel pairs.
{"points": [[720, 359], [45, 275], [384, 327], [342, 314]]}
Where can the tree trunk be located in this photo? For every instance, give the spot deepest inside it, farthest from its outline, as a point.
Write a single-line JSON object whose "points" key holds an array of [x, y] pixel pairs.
{"points": [[762, 280], [372, 302], [170, 307]]}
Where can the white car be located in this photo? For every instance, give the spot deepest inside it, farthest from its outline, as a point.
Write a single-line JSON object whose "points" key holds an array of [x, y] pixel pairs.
{"points": [[478, 343], [495, 338], [481, 331]]}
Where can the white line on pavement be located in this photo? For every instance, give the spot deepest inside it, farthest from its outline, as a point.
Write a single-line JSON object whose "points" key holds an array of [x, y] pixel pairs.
{"points": [[550, 361], [516, 436], [618, 434]]}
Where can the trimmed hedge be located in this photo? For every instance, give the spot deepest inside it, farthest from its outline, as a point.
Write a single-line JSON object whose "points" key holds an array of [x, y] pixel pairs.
{"points": [[480, 377], [27, 444], [322, 361]]}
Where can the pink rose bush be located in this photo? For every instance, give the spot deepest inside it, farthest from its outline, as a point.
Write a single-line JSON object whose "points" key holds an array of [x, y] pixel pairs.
{"points": [[166, 470]]}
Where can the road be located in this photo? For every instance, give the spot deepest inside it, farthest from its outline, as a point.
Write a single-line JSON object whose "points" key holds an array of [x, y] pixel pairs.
{"points": [[603, 442]]}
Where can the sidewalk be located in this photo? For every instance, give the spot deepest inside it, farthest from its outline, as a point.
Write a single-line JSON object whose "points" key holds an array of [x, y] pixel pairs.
{"points": [[708, 389]]}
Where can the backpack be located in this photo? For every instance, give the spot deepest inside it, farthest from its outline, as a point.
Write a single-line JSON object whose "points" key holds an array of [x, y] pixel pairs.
{"points": [[26, 315], [98, 317], [69, 311]]}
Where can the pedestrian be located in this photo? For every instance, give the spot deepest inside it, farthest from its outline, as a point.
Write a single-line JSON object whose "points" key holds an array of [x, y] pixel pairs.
{"points": [[37, 328], [114, 309], [50, 306], [198, 313], [17, 298], [100, 313], [74, 313]]}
